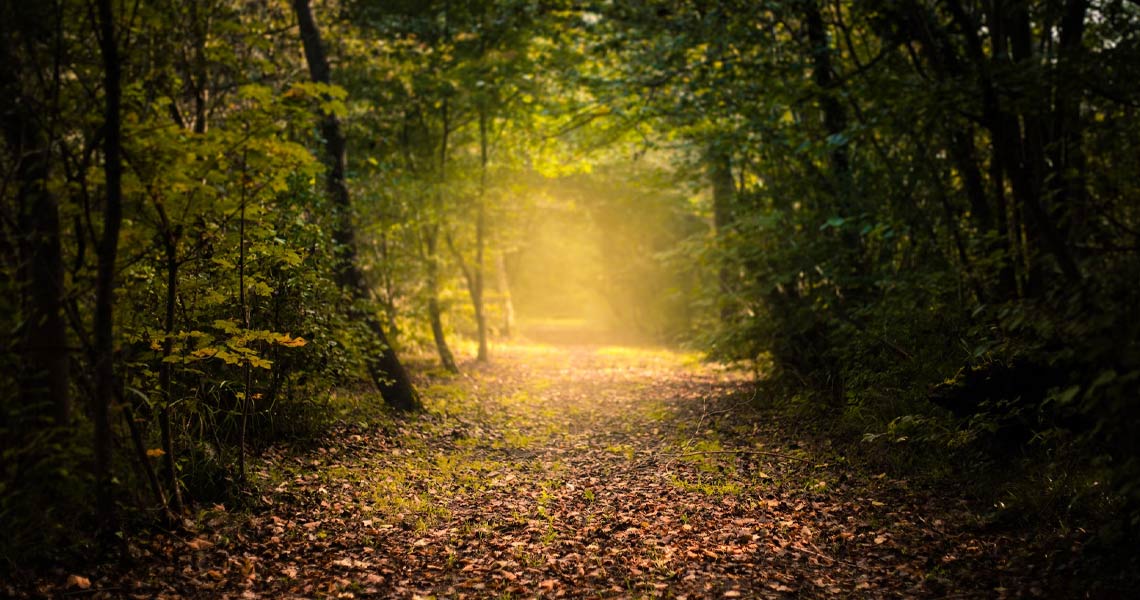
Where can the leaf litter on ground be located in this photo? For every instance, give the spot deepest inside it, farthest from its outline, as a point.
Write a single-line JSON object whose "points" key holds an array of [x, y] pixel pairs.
{"points": [[577, 471]]}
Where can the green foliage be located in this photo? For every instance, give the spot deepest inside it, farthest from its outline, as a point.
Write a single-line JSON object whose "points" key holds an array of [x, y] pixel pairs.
{"points": [[914, 196], [230, 329]]}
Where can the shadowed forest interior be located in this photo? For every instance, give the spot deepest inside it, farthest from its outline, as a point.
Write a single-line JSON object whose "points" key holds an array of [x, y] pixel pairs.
{"points": [[848, 289]]}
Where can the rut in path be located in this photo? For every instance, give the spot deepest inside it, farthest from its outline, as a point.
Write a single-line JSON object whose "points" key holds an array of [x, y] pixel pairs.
{"points": [[579, 471]]}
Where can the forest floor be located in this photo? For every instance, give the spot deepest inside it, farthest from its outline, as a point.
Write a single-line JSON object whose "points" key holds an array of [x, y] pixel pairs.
{"points": [[573, 471]]}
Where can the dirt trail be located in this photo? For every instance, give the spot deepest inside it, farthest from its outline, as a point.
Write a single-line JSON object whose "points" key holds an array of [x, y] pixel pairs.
{"points": [[581, 471]]}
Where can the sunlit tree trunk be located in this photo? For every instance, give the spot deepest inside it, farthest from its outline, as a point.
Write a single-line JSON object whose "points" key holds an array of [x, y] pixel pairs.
{"points": [[480, 239], [505, 294], [473, 274], [386, 370], [435, 315], [431, 241]]}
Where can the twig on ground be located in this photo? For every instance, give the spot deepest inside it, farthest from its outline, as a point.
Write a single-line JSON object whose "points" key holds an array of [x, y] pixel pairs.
{"points": [[815, 551], [760, 452], [93, 590]]}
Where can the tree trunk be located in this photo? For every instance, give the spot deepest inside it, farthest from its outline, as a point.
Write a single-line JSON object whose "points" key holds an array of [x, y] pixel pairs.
{"points": [[45, 380], [165, 374], [105, 279], [940, 53], [431, 241], [835, 126], [480, 239], [505, 293], [1067, 183], [446, 358], [724, 191], [386, 370], [1019, 143], [46, 376], [834, 115], [243, 306], [835, 122], [200, 36]]}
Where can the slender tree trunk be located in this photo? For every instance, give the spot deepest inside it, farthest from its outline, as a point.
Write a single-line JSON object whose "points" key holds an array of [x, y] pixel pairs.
{"points": [[835, 122], [431, 241], [387, 371], [243, 306], [965, 158], [105, 279], [201, 25], [505, 293], [165, 373], [1067, 185], [143, 460], [834, 115], [387, 283], [170, 241], [724, 192], [480, 239], [446, 358]]}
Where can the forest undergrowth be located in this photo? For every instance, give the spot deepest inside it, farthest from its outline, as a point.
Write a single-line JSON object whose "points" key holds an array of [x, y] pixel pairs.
{"points": [[580, 471]]}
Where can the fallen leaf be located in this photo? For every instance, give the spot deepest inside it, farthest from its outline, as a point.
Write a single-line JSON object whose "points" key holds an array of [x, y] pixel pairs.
{"points": [[199, 543]]}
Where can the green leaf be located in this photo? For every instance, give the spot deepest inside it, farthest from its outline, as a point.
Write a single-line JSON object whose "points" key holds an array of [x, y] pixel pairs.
{"points": [[833, 222]]}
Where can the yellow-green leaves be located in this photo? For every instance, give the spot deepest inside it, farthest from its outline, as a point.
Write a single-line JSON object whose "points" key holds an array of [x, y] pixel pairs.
{"points": [[234, 346], [331, 98]]}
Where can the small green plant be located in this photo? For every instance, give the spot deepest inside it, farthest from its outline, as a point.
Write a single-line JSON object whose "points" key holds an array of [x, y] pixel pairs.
{"points": [[716, 487], [622, 449]]}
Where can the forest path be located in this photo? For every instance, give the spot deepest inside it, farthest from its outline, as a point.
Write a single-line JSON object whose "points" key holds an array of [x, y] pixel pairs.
{"points": [[577, 471]]}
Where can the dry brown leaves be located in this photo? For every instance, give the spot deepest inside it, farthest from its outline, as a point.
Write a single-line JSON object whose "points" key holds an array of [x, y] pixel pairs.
{"points": [[570, 472]]}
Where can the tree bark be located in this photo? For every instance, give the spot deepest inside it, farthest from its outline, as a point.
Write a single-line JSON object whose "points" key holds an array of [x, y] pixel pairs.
{"points": [[480, 239], [835, 121], [45, 380], [165, 374], [834, 115], [105, 279], [505, 293], [724, 191], [386, 370], [435, 316], [1067, 185]]}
